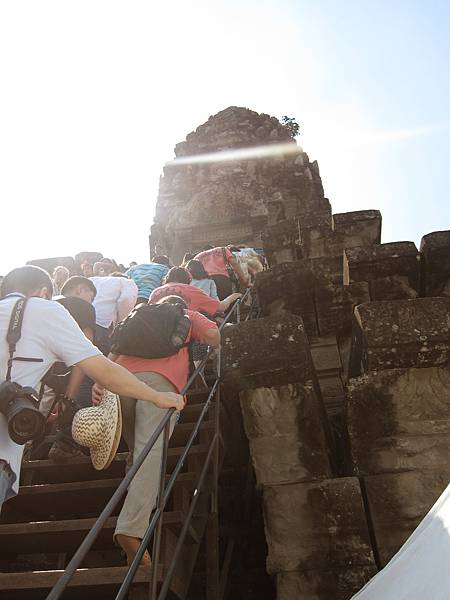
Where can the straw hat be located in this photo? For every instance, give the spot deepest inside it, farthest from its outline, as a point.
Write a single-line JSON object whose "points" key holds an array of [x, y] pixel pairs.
{"points": [[99, 428]]}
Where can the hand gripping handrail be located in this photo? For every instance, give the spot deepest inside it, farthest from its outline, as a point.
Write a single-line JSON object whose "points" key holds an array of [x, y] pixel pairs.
{"points": [[163, 426]]}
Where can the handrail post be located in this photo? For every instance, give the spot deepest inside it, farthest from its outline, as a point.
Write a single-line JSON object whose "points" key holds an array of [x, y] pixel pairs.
{"points": [[212, 531], [153, 586]]}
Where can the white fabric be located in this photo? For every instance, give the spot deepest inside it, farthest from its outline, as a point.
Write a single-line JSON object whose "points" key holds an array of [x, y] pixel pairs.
{"points": [[420, 569], [207, 285], [247, 253], [116, 296], [243, 256], [48, 332]]}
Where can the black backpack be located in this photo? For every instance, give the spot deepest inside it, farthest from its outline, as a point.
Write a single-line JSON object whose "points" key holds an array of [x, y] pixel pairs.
{"points": [[152, 331]]}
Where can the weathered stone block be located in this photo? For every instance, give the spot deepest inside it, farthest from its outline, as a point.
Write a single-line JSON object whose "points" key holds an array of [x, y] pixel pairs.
{"points": [[289, 286], [395, 287], [316, 526], [399, 419], [90, 257], [401, 333], [49, 264], [336, 584], [335, 305], [265, 353], [315, 232], [284, 428], [435, 248], [398, 502], [326, 269], [281, 236], [305, 287], [283, 255], [394, 268], [359, 228]]}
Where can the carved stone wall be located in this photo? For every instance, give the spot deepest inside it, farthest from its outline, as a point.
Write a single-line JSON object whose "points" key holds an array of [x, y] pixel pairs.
{"points": [[231, 201], [343, 383]]}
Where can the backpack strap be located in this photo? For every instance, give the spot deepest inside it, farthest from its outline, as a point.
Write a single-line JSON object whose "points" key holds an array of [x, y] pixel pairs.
{"points": [[231, 272], [15, 333], [225, 257]]}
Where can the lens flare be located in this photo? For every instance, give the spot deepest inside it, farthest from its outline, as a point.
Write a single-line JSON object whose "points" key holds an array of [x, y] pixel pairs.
{"points": [[253, 152]]}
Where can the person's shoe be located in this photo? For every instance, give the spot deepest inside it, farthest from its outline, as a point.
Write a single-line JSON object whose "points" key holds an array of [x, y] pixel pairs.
{"points": [[62, 452]]}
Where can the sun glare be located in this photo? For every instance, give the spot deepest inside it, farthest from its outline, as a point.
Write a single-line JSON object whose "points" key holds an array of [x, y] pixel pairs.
{"points": [[238, 154]]}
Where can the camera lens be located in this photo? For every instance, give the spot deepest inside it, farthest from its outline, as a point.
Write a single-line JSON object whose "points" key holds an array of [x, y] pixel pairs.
{"points": [[25, 422]]}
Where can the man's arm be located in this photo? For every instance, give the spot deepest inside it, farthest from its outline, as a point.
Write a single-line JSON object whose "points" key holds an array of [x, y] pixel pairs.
{"points": [[224, 304], [68, 344], [204, 330], [118, 380], [76, 376], [212, 338]]}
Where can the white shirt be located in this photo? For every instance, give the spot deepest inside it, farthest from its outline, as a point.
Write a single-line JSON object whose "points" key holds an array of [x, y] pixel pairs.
{"points": [[243, 256], [207, 285], [48, 332], [116, 296]]}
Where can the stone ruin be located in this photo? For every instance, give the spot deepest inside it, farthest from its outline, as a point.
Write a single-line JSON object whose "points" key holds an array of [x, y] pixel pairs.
{"points": [[72, 263], [342, 385]]}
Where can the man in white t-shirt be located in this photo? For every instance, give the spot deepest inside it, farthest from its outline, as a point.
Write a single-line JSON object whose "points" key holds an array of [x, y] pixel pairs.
{"points": [[115, 298], [50, 334]]}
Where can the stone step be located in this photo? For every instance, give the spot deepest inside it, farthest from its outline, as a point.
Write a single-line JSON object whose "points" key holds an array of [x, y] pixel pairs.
{"points": [[54, 515], [435, 249], [182, 431], [81, 469], [197, 396], [67, 535], [400, 334], [101, 583], [79, 499], [392, 270]]}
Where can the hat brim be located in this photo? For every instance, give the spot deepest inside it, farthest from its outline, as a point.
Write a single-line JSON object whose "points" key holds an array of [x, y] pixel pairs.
{"points": [[102, 457]]}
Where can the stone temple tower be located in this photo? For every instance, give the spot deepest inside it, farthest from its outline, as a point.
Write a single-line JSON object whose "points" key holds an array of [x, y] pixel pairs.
{"points": [[221, 201], [343, 382]]}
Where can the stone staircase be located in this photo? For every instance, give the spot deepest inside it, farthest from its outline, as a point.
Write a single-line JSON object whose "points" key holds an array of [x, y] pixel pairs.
{"points": [[57, 505]]}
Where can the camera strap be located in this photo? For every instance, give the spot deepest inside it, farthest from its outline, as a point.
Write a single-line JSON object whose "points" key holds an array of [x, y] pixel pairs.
{"points": [[15, 333]]}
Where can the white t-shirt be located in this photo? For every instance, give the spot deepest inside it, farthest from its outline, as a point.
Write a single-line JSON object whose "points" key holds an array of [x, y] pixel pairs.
{"points": [[48, 332], [116, 296], [207, 285], [243, 256]]}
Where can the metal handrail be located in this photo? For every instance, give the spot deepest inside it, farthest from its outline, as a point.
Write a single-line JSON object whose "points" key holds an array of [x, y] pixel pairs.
{"points": [[85, 546], [164, 496]]}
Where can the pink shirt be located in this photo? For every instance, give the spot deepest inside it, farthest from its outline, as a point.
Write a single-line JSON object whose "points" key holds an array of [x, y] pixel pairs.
{"points": [[195, 298], [174, 368], [213, 260]]}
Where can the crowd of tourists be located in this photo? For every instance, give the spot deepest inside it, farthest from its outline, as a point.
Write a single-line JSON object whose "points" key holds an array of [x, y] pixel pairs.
{"points": [[87, 358]]}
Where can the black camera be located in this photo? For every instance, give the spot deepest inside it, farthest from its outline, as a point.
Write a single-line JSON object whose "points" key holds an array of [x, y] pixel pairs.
{"points": [[20, 407]]}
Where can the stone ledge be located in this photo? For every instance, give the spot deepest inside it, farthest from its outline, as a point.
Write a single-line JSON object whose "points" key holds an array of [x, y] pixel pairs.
{"points": [[435, 248], [265, 353], [398, 502], [399, 419], [285, 432], [400, 334], [316, 526]]}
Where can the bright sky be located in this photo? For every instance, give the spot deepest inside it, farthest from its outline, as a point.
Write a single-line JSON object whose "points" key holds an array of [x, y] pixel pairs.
{"points": [[96, 93]]}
